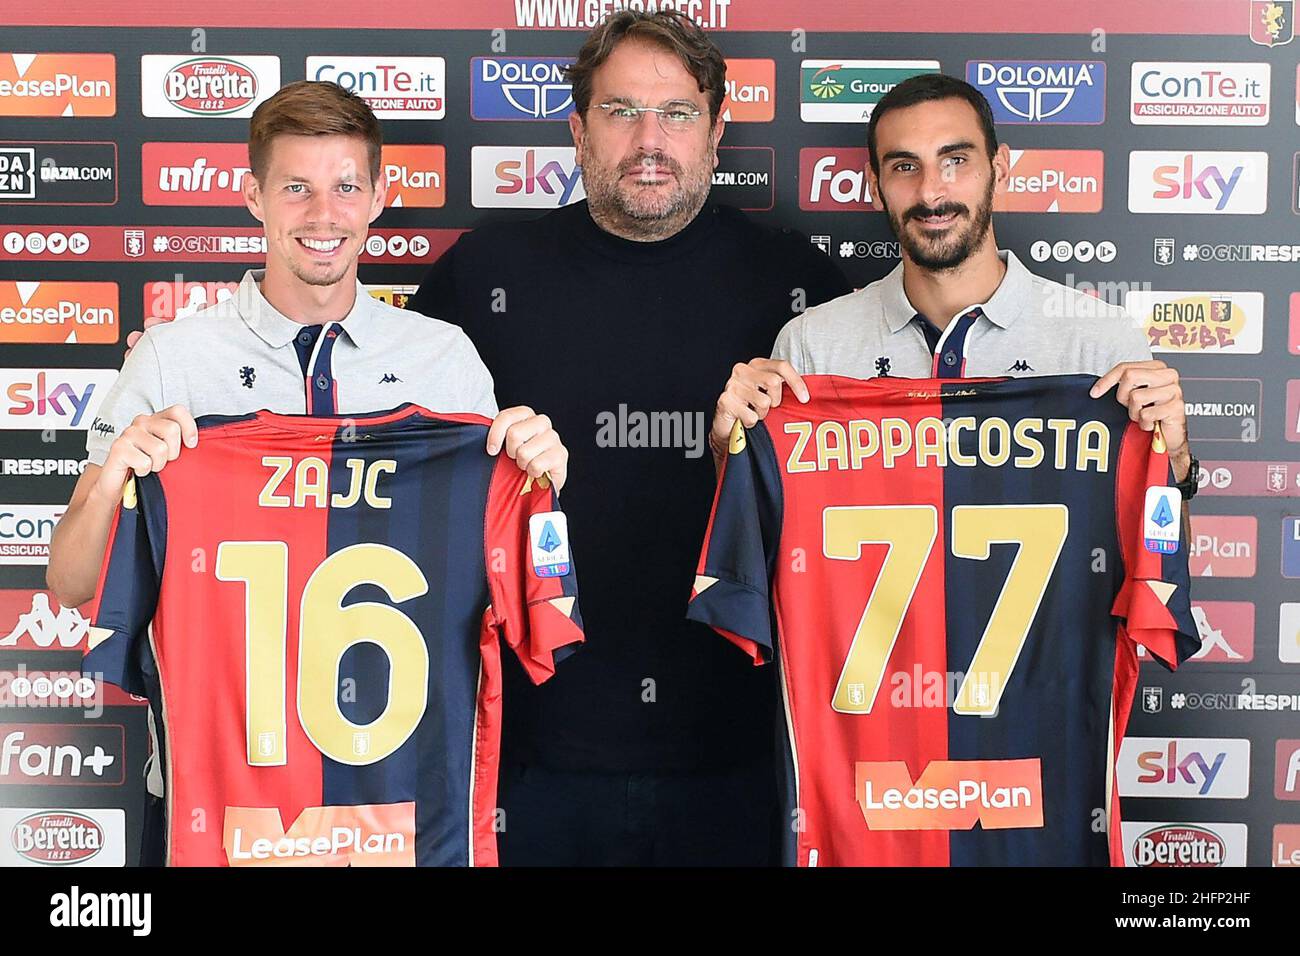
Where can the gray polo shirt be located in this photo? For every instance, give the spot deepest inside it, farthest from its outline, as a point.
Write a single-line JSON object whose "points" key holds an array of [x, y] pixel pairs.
{"points": [[241, 355], [1030, 326]]}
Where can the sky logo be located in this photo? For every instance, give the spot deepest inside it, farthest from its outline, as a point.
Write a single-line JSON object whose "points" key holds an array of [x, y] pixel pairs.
{"points": [[62, 398], [1198, 182], [1216, 768], [519, 88], [1023, 92], [528, 177]]}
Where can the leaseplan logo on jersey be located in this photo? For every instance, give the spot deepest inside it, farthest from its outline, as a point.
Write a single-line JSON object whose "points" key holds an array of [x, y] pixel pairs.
{"points": [[524, 177], [395, 87], [519, 88], [1180, 181], [52, 398], [1053, 180], [48, 312], [1199, 94], [834, 180], [751, 91], [58, 84], [1209, 768], [1041, 91], [846, 91], [188, 86], [950, 794], [1200, 322]]}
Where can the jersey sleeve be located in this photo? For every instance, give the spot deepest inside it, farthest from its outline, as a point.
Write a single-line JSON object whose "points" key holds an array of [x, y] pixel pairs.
{"points": [[732, 591], [1154, 601], [531, 575], [129, 582], [136, 391]]}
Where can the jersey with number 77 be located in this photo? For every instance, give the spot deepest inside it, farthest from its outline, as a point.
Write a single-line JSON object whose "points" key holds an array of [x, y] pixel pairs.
{"points": [[328, 599], [953, 576]]}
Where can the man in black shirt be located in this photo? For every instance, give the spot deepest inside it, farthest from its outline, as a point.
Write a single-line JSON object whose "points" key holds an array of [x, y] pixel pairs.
{"points": [[655, 743]]}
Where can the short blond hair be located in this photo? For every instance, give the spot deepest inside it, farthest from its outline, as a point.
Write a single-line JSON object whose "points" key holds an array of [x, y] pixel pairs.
{"points": [[313, 108]]}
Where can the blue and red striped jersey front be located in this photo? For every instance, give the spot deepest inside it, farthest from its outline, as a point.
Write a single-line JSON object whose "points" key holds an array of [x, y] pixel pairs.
{"points": [[328, 597], [953, 577]]}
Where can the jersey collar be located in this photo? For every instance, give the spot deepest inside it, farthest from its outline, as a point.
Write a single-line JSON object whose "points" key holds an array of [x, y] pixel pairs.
{"points": [[278, 330], [1002, 309]]}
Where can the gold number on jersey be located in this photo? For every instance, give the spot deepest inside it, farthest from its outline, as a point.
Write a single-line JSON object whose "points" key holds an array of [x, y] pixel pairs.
{"points": [[326, 629], [910, 532]]}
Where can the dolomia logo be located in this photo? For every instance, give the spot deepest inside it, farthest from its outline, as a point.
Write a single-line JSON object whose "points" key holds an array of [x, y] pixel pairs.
{"points": [[950, 794]]}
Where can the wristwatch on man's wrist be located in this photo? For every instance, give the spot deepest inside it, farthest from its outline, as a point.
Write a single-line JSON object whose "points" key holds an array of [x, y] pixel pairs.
{"points": [[1191, 484]]}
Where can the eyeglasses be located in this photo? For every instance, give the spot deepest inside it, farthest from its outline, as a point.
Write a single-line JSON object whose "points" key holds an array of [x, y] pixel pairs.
{"points": [[673, 117]]}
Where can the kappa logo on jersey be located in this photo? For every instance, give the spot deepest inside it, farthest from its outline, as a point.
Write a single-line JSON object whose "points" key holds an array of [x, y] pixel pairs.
{"points": [[950, 794], [519, 88], [395, 87], [1272, 22], [834, 180], [364, 835], [1184, 844], [751, 91], [1216, 768], [26, 531], [68, 312], [1053, 180], [1041, 91], [1178, 181], [35, 620], [846, 91], [216, 86], [1200, 321], [58, 84], [1286, 774], [1199, 94], [415, 175], [62, 754], [526, 177], [177, 299], [85, 836], [58, 174], [1222, 546], [54, 398]]}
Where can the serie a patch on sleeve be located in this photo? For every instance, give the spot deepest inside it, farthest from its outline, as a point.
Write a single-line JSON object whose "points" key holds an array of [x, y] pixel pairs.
{"points": [[548, 534], [1160, 519]]}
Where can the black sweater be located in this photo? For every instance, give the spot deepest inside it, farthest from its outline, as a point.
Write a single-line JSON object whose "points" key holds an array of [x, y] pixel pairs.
{"points": [[601, 333]]}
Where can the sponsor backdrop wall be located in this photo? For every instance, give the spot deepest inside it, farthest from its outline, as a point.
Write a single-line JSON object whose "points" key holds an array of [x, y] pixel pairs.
{"points": [[1154, 162]]}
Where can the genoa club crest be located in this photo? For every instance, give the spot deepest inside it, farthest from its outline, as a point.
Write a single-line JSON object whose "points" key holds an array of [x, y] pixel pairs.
{"points": [[1272, 22]]}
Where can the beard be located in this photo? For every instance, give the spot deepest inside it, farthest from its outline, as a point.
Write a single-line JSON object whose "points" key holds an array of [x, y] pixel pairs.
{"points": [[948, 250], [610, 196], [317, 274]]}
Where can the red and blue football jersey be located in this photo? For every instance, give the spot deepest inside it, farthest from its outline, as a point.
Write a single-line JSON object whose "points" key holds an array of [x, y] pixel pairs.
{"points": [[953, 577], [328, 597]]}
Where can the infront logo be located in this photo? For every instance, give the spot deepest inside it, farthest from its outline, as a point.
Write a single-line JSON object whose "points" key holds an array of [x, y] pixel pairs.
{"points": [[950, 794]]}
